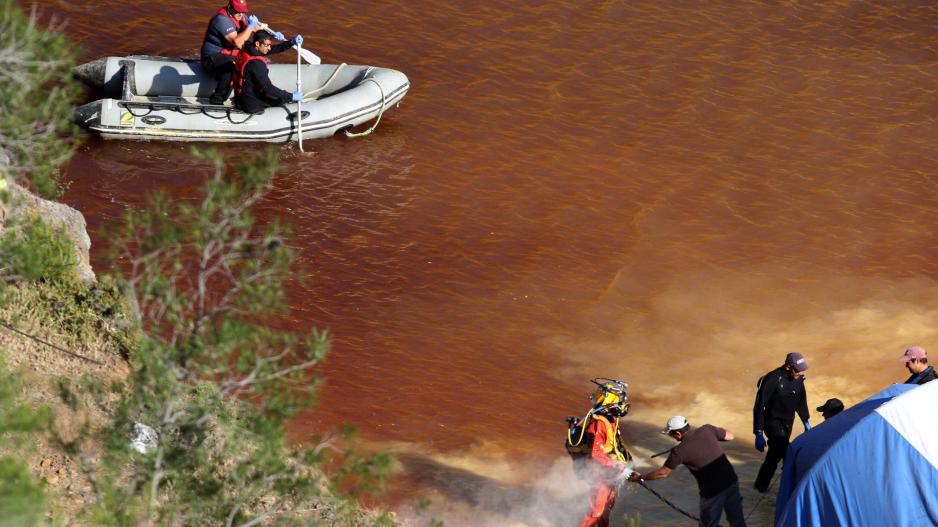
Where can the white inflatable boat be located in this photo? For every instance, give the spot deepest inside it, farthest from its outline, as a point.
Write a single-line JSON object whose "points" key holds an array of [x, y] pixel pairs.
{"points": [[167, 99]]}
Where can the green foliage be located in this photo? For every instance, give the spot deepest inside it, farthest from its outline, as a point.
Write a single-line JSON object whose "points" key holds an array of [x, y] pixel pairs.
{"points": [[211, 372], [36, 98], [21, 498], [633, 521], [80, 315], [212, 376], [35, 251]]}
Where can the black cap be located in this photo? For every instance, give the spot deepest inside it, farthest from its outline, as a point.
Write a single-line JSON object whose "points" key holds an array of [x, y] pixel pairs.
{"points": [[831, 406]]}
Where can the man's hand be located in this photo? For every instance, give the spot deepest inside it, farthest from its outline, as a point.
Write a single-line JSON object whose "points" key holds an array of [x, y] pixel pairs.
{"points": [[760, 441], [297, 40], [253, 22], [635, 477]]}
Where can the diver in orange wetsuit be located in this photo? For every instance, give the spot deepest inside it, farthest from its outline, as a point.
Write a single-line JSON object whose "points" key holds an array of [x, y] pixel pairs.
{"points": [[607, 453]]}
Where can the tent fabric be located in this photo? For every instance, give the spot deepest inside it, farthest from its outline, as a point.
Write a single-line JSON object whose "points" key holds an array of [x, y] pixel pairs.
{"points": [[875, 463]]}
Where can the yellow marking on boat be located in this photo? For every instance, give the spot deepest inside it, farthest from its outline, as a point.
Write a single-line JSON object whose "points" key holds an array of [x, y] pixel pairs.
{"points": [[127, 118]]}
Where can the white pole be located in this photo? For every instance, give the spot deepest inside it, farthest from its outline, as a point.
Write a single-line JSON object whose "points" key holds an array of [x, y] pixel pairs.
{"points": [[299, 104]]}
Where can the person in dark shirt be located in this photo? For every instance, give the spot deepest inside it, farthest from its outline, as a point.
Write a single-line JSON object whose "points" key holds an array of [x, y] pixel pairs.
{"points": [[830, 408], [227, 32], [253, 89], [916, 361], [700, 450], [780, 393]]}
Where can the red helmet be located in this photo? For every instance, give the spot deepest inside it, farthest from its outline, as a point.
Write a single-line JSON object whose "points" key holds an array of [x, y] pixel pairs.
{"points": [[238, 6]]}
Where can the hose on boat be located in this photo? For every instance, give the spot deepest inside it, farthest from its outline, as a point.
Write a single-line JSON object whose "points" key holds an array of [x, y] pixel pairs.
{"points": [[380, 113], [309, 95]]}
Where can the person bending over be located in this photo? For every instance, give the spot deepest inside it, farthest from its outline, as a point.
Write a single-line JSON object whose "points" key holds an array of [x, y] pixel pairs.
{"points": [[717, 482]]}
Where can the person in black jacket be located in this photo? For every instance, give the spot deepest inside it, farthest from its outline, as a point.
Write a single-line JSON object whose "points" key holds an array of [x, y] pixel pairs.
{"points": [[780, 393], [253, 90], [916, 361]]}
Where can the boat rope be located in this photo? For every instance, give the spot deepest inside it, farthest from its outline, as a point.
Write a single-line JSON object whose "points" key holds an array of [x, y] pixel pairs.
{"points": [[53, 346], [309, 94], [246, 119], [130, 110], [196, 112], [668, 503], [380, 113]]}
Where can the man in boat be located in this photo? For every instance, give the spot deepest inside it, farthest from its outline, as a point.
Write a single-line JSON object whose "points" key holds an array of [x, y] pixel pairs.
{"points": [[607, 453], [916, 361], [700, 450], [779, 394], [253, 89], [226, 34]]}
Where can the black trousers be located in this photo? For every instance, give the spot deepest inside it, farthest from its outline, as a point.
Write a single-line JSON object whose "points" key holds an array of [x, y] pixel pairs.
{"points": [[255, 103], [221, 67], [730, 501], [778, 447]]}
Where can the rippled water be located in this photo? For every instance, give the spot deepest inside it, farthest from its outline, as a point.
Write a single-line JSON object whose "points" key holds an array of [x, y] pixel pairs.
{"points": [[677, 193]]}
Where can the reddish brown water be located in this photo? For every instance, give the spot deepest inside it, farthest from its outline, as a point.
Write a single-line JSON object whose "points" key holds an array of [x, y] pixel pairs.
{"points": [[676, 193]]}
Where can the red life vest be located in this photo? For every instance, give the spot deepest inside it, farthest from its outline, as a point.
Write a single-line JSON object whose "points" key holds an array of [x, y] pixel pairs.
{"points": [[239, 27], [240, 63]]}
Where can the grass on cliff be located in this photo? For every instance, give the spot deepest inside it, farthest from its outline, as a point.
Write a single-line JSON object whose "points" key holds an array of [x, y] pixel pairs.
{"points": [[179, 339]]}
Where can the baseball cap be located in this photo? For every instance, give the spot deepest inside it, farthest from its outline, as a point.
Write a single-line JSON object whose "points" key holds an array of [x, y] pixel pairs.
{"points": [[239, 6], [831, 405], [796, 361], [915, 352], [675, 423]]}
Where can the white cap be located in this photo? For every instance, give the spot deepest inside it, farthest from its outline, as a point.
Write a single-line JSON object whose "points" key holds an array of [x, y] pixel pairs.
{"points": [[675, 423]]}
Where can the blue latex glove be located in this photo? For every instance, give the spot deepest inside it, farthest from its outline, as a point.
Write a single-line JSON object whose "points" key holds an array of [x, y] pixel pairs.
{"points": [[807, 425], [253, 21], [760, 441], [297, 96], [279, 36], [297, 40]]}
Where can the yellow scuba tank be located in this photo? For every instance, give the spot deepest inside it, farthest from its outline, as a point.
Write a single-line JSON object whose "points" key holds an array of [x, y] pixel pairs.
{"points": [[611, 402]]}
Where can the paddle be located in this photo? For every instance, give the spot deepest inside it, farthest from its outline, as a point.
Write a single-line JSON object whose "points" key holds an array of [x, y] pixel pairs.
{"points": [[307, 55], [299, 104]]}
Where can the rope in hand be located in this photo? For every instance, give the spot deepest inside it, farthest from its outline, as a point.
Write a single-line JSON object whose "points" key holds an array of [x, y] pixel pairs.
{"points": [[53, 346], [666, 502]]}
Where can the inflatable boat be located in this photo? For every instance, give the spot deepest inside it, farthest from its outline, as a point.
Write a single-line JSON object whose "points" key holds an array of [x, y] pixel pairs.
{"points": [[167, 99]]}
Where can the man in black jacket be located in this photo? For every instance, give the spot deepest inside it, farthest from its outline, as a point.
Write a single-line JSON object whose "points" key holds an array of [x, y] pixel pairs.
{"points": [[253, 89], [780, 393], [916, 361]]}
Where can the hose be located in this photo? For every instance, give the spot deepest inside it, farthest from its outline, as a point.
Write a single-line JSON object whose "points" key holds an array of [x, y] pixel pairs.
{"points": [[309, 94], [380, 113], [666, 502]]}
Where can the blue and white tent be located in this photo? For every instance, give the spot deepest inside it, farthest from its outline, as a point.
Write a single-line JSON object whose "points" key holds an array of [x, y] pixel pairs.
{"points": [[875, 463]]}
